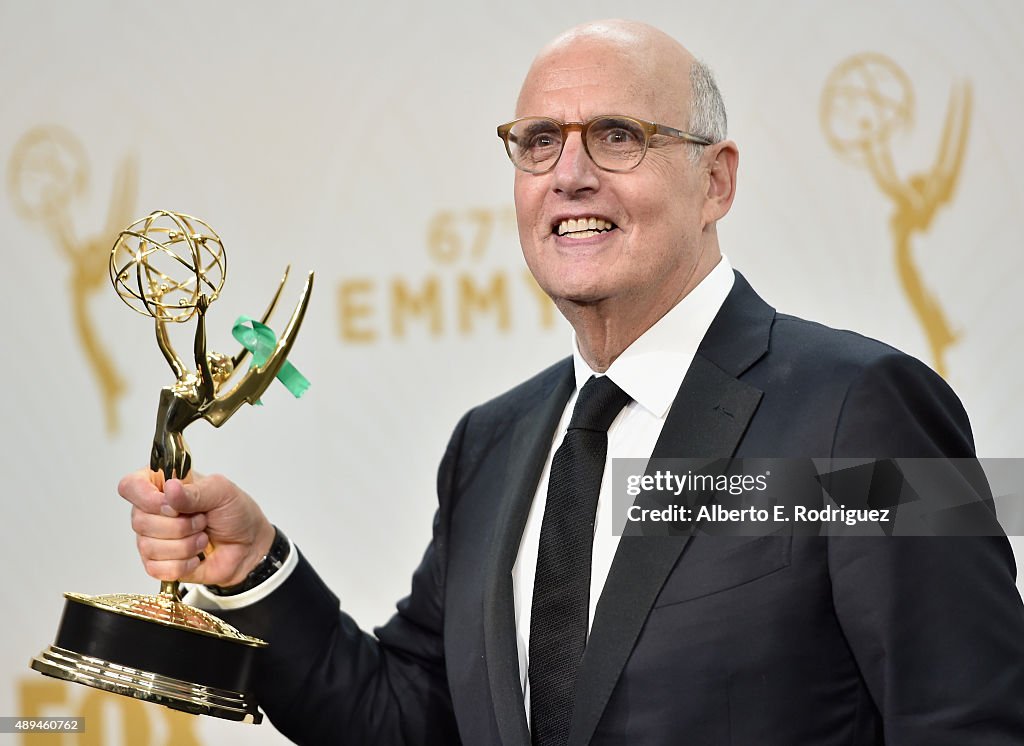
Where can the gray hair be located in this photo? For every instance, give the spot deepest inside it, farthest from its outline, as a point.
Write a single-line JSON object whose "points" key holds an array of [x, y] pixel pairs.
{"points": [[707, 110]]}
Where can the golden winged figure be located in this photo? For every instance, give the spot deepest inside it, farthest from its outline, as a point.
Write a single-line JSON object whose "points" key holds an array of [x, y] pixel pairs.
{"points": [[867, 98], [172, 266]]}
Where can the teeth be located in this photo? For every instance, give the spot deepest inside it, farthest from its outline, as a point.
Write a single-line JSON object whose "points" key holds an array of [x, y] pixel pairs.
{"points": [[589, 226]]}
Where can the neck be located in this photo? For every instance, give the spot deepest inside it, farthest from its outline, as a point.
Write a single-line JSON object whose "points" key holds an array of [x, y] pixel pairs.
{"points": [[603, 332], [605, 328]]}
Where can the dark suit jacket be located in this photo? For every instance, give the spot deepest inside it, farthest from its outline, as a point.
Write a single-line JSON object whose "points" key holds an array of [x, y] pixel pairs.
{"points": [[783, 639]]}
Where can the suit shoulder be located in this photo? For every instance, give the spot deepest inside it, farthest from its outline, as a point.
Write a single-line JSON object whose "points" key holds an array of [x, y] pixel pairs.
{"points": [[839, 347], [849, 359], [878, 388], [843, 356]]}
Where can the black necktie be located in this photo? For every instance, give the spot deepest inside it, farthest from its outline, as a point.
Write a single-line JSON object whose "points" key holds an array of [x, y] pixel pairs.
{"points": [[561, 589]]}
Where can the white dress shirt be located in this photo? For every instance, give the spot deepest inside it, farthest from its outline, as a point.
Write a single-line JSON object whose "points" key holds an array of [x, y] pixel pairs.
{"points": [[650, 370]]}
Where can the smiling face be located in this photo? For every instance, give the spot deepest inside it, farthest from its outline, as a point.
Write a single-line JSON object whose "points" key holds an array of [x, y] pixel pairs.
{"points": [[633, 242]]}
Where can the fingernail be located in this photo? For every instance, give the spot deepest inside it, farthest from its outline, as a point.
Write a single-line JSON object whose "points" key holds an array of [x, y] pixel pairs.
{"points": [[168, 511], [198, 522], [201, 541], [191, 565]]}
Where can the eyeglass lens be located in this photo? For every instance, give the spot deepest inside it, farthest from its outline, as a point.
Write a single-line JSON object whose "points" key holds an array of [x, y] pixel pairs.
{"points": [[614, 143]]}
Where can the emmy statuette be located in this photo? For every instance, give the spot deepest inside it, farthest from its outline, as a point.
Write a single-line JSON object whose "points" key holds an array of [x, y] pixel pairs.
{"points": [[171, 267]]}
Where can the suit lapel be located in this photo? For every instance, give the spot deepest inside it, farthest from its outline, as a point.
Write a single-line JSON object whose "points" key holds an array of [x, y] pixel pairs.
{"points": [[707, 420], [530, 444]]}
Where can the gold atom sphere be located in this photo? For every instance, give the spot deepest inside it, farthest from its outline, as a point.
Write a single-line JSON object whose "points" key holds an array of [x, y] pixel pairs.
{"points": [[866, 98], [162, 263]]}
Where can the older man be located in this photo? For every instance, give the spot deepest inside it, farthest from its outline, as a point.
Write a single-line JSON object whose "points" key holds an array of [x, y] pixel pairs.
{"points": [[525, 623]]}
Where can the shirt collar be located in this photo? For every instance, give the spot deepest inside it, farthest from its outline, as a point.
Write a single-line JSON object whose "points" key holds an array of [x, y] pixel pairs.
{"points": [[652, 368]]}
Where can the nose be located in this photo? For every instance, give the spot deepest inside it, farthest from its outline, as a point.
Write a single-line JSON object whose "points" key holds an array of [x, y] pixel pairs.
{"points": [[575, 172]]}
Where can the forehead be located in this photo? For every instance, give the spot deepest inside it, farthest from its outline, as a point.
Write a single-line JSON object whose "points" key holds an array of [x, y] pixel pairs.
{"points": [[578, 83]]}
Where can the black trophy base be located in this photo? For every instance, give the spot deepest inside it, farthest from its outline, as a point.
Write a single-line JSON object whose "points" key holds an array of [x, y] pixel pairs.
{"points": [[156, 649]]}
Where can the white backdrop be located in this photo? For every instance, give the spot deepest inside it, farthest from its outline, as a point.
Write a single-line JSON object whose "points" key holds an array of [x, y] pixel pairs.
{"points": [[303, 134]]}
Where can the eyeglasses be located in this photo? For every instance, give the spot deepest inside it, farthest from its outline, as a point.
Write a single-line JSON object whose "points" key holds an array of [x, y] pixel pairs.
{"points": [[614, 143]]}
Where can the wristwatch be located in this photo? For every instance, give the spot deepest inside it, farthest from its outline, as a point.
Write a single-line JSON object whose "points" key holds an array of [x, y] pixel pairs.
{"points": [[271, 563]]}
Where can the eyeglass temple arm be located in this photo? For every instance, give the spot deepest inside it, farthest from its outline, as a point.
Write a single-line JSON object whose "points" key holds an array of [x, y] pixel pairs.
{"points": [[662, 129]]}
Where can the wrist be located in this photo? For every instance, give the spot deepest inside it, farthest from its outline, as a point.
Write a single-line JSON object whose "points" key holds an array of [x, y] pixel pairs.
{"points": [[272, 561]]}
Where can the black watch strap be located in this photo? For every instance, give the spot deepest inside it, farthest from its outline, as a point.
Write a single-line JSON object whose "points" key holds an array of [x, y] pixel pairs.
{"points": [[271, 563]]}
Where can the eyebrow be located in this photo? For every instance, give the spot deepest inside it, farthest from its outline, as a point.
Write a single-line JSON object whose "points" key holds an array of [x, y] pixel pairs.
{"points": [[540, 126]]}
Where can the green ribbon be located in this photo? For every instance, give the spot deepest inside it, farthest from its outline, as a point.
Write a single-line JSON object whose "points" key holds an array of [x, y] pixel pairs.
{"points": [[260, 340]]}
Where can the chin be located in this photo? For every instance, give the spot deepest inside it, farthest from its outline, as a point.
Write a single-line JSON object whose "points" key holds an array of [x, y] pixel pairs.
{"points": [[577, 296]]}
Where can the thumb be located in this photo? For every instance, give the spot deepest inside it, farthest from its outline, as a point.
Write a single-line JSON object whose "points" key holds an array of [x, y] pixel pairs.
{"points": [[190, 498]]}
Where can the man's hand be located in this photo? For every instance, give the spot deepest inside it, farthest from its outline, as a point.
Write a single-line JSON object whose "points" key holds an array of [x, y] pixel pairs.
{"points": [[210, 515]]}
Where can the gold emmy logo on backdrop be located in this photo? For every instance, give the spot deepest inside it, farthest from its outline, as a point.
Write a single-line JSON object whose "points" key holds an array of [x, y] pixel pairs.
{"points": [[46, 173], [866, 100], [465, 294], [171, 267]]}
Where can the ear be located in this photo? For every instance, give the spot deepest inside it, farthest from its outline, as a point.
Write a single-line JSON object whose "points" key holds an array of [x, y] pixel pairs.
{"points": [[721, 161]]}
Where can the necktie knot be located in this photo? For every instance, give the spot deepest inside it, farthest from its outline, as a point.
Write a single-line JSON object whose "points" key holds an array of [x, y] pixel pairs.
{"points": [[599, 402]]}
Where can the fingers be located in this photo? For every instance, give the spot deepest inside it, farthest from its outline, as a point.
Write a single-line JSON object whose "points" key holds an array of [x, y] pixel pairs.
{"points": [[171, 549], [174, 524], [168, 547], [164, 527], [171, 569], [168, 542], [171, 559]]}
